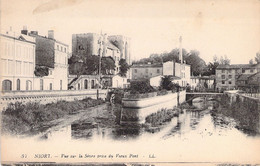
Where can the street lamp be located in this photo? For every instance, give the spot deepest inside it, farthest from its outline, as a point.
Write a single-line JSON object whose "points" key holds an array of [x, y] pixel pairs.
{"points": [[99, 66]]}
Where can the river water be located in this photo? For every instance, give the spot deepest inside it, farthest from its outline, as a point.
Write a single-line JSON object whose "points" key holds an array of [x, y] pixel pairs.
{"points": [[193, 136]]}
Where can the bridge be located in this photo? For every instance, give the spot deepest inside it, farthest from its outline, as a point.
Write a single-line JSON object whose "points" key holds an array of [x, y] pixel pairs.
{"points": [[191, 95]]}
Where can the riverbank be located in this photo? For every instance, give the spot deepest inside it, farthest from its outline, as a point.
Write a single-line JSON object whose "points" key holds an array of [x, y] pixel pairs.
{"points": [[244, 111], [32, 118]]}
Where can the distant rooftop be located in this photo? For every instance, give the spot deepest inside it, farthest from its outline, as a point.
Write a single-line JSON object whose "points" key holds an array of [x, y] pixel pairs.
{"points": [[146, 65], [236, 66]]}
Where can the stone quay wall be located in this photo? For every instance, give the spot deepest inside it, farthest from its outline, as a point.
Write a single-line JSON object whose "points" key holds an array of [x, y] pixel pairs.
{"points": [[45, 97], [244, 108]]}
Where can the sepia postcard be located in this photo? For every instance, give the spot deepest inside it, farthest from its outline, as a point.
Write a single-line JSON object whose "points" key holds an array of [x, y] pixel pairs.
{"points": [[131, 83]]}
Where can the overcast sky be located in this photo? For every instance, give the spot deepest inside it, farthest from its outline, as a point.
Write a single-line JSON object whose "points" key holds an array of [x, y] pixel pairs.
{"points": [[218, 27]]}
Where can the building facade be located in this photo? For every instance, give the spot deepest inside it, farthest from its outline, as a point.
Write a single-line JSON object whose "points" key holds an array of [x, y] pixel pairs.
{"points": [[179, 71], [117, 47], [145, 71], [84, 82], [17, 62], [200, 83], [227, 75], [53, 54]]}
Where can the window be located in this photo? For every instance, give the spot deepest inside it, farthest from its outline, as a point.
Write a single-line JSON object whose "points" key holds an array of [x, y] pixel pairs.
{"points": [[86, 84], [223, 76], [223, 82], [60, 84], [18, 67], [230, 71], [92, 84], [158, 70], [61, 48], [41, 84], [135, 70], [50, 72], [229, 76], [251, 70], [146, 70], [58, 47], [223, 71], [229, 82], [50, 86], [18, 82], [65, 50], [7, 85], [243, 70], [78, 86]]}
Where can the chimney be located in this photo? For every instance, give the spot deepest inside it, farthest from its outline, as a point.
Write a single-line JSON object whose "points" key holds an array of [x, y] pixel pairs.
{"points": [[24, 31], [180, 50], [51, 34]]}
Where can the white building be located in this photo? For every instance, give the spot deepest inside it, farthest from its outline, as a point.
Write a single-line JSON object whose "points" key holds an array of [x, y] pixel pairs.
{"points": [[54, 55], [180, 71], [156, 81], [17, 53], [119, 82]]}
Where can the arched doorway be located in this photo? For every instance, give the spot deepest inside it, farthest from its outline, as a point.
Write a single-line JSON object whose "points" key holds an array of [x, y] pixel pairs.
{"points": [[28, 85], [7, 85], [18, 84]]}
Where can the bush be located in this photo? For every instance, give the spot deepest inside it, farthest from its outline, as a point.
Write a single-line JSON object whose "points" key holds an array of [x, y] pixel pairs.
{"points": [[19, 118], [142, 86], [167, 84]]}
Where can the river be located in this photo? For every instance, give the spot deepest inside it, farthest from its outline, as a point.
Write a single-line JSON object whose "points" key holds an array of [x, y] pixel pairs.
{"points": [[192, 136]]}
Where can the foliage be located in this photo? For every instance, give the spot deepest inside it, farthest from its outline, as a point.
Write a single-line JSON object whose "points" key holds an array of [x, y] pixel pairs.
{"points": [[89, 65], [163, 57], [107, 65], [41, 71], [251, 62], [123, 67], [257, 58], [197, 64], [224, 60], [140, 86], [167, 84], [19, 118]]}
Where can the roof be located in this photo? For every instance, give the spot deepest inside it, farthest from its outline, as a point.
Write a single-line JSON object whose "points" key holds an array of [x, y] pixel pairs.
{"points": [[146, 65], [236, 66], [212, 77], [111, 45], [20, 37], [254, 74], [243, 77]]}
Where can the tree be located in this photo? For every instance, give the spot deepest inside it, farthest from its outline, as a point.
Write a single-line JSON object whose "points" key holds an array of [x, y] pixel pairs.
{"points": [[107, 65], [167, 84], [163, 57], [123, 67], [224, 60], [198, 65], [251, 62], [257, 58], [41, 71], [89, 65]]}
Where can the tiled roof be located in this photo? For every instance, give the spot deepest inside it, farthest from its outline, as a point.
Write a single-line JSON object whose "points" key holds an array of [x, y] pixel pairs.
{"points": [[146, 65], [111, 45], [236, 66]]}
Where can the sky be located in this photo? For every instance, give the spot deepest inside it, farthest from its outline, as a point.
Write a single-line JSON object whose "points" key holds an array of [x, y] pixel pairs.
{"points": [[213, 27]]}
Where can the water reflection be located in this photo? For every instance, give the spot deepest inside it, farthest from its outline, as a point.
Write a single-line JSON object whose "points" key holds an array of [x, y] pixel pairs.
{"points": [[187, 125]]}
